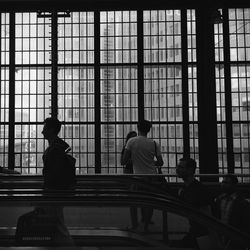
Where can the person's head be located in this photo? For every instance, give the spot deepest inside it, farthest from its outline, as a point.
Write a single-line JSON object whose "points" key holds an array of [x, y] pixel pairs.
{"points": [[186, 168], [130, 135], [144, 127], [51, 128], [229, 183]]}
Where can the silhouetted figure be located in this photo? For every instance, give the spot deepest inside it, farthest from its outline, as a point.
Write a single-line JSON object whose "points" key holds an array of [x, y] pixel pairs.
{"points": [[56, 171], [195, 194], [45, 225], [142, 151], [232, 208], [128, 169]]}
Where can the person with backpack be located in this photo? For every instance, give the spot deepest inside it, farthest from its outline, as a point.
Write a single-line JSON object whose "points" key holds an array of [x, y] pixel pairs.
{"points": [[59, 169], [45, 224]]}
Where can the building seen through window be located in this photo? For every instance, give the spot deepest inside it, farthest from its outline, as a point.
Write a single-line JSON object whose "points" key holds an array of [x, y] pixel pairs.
{"points": [[139, 73]]}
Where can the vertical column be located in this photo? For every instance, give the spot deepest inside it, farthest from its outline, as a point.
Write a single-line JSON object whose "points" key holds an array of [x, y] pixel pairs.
{"points": [[140, 65], [228, 96], [54, 58], [185, 103], [97, 93], [11, 149], [207, 127]]}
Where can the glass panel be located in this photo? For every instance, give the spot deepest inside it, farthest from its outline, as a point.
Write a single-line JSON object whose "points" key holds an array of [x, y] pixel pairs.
{"points": [[32, 99], [4, 90], [191, 37], [76, 94], [29, 148], [119, 94], [5, 35], [33, 42], [76, 38], [81, 138], [163, 93], [118, 33], [162, 36]]}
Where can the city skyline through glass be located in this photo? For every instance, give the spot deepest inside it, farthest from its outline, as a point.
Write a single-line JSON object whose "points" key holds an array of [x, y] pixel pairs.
{"points": [[132, 66]]}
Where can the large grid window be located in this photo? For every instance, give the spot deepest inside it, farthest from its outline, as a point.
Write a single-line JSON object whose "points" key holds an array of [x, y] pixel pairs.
{"points": [[233, 90], [147, 68], [163, 81], [64, 42], [4, 94]]}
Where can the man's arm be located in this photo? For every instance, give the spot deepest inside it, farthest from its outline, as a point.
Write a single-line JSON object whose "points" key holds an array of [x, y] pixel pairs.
{"points": [[159, 161], [125, 157]]}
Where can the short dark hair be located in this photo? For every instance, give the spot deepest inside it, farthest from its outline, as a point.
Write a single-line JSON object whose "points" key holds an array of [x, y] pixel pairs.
{"points": [[130, 135], [190, 162], [144, 126], [53, 123]]}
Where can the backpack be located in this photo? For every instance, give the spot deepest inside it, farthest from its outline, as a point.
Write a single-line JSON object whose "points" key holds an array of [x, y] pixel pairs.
{"points": [[69, 170], [63, 174]]}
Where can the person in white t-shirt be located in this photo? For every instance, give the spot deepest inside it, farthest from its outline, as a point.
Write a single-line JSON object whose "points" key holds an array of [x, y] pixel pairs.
{"points": [[143, 151]]}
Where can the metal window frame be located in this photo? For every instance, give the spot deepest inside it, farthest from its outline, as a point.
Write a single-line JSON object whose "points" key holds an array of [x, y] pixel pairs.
{"points": [[202, 122]]}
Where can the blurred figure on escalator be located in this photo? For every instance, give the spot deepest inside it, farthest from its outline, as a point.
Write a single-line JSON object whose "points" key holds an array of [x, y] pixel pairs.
{"points": [[196, 195], [232, 208]]}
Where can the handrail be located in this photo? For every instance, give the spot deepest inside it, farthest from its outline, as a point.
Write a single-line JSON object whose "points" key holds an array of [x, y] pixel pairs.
{"points": [[122, 181], [114, 175]]}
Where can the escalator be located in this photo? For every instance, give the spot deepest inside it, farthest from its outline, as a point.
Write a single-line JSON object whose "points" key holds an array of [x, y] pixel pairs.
{"points": [[114, 195]]}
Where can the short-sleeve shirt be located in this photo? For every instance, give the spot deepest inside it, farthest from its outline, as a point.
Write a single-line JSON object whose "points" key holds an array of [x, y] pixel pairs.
{"points": [[143, 150]]}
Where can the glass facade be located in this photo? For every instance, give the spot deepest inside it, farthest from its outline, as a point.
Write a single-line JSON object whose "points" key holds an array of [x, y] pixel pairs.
{"points": [[100, 72], [232, 47]]}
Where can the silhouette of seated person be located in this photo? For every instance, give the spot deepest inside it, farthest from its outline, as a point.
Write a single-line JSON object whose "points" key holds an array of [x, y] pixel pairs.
{"points": [[196, 195]]}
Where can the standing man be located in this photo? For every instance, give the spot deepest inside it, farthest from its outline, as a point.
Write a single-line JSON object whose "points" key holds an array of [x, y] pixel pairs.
{"points": [[197, 196], [143, 151], [55, 172]]}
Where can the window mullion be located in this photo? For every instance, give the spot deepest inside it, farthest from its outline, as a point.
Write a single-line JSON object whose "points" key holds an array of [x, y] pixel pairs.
{"points": [[54, 58], [140, 64], [97, 92], [228, 97], [11, 148], [185, 101]]}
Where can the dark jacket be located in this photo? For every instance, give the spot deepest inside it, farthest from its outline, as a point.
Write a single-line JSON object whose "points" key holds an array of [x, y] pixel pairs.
{"points": [[53, 161], [198, 197], [128, 169]]}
